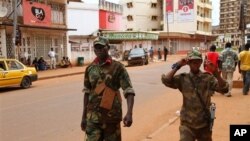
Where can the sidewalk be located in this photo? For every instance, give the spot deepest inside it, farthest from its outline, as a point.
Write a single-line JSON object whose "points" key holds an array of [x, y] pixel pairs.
{"points": [[61, 72]]}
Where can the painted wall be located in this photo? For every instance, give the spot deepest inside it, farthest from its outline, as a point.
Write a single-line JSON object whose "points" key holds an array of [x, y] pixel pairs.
{"points": [[83, 17], [109, 20]]}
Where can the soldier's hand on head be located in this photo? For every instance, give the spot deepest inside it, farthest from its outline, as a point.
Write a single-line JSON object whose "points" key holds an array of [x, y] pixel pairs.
{"points": [[127, 120], [183, 61], [83, 124]]}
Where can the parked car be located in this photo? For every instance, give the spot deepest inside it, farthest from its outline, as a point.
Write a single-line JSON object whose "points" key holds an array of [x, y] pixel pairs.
{"points": [[13, 72], [125, 55], [138, 56]]}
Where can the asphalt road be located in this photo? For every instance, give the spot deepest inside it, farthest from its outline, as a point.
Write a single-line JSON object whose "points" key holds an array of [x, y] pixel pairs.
{"points": [[51, 109]]}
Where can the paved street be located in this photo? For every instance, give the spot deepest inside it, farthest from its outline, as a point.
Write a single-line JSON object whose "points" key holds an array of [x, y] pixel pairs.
{"points": [[51, 109]]}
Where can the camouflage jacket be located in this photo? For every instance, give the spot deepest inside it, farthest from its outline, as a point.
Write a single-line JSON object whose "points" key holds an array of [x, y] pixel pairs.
{"points": [[192, 111], [115, 77], [228, 57]]}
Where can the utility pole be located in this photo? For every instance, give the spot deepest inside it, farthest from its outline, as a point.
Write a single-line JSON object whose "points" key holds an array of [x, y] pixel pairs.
{"points": [[13, 49], [168, 29]]}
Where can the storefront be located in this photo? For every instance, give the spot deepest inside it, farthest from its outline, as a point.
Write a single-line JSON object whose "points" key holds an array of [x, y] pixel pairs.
{"points": [[130, 39], [40, 28]]}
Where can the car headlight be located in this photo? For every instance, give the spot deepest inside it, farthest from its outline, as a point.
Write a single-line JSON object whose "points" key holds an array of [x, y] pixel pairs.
{"points": [[143, 57], [129, 58]]}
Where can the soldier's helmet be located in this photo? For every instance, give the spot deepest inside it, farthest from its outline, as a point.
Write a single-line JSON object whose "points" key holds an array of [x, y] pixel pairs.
{"points": [[101, 41], [194, 54]]}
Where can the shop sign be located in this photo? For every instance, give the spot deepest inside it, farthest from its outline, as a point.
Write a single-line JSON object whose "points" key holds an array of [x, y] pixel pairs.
{"points": [[37, 14], [111, 18], [131, 36]]}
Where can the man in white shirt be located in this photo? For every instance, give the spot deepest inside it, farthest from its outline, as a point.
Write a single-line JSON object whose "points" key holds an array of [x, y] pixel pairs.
{"points": [[52, 56]]}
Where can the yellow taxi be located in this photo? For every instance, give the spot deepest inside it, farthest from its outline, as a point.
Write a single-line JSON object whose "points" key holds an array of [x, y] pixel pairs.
{"points": [[13, 72]]}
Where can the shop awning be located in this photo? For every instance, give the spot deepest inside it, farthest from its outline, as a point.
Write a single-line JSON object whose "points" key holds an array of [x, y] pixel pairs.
{"points": [[130, 35]]}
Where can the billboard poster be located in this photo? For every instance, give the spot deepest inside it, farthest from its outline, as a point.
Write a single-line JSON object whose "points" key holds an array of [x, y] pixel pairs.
{"points": [[36, 14], [169, 11], [185, 10], [109, 20]]}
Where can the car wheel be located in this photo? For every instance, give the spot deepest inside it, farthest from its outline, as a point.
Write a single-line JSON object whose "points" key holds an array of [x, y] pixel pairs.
{"points": [[26, 82]]}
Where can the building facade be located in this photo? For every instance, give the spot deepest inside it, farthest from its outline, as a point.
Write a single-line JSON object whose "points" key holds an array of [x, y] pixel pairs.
{"points": [[181, 24], [234, 18], [91, 20], [41, 25], [80, 15]]}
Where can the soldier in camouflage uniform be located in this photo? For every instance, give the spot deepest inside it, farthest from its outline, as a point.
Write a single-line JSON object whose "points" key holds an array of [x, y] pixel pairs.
{"points": [[195, 87], [99, 122]]}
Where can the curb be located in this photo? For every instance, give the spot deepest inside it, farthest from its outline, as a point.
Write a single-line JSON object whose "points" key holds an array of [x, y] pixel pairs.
{"points": [[62, 75], [237, 84]]}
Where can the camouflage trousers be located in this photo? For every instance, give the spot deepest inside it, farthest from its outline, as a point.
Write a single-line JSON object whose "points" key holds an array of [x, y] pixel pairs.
{"points": [[103, 131], [190, 134]]}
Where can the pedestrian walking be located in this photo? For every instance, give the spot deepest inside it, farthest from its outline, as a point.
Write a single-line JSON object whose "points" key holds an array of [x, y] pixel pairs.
{"points": [[244, 68], [165, 53], [102, 109], [52, 56], [195, 118], [151, 54], [228, 60], [159, 53], [211, 56]]}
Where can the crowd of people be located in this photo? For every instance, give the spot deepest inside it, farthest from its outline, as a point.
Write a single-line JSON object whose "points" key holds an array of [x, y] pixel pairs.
{"points": [[41, 65]]}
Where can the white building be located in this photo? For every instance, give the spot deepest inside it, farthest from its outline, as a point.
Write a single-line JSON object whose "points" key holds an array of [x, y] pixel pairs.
{"points": [[90, 19], [85, 18], [188, 24]]}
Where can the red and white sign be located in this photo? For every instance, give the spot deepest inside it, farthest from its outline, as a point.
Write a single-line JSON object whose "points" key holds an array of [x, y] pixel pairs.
{"points": [[109, 20], [36, 14], [185, 10], [169, 11]]}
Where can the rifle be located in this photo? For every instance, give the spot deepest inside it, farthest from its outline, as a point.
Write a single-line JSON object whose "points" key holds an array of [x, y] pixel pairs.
{"points": [[212, 115]]}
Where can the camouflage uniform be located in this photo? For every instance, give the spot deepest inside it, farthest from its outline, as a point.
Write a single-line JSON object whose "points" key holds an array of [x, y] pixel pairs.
{"points": [[100, 120], [194, 120]]}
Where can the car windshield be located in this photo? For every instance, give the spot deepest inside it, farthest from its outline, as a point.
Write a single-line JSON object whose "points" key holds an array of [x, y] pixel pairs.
{"points": [[136, 51]]}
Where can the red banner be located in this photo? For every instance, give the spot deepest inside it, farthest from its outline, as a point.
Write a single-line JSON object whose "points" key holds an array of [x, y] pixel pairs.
{"points": [[36, 14], [169, 6], [109, 20]]}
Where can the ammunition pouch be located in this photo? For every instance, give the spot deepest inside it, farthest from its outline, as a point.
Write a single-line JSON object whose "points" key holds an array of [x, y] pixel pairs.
{"points": [[108, 95]]}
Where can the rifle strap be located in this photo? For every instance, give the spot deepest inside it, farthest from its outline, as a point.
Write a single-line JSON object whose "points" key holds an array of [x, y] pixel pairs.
{"points": [[199, 96]]}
